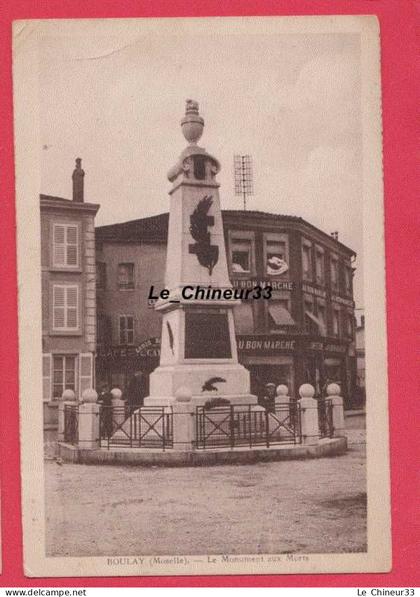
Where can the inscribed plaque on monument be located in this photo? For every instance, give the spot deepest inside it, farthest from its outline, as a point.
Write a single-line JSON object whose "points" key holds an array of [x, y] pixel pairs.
{"points": [[116, 195], [207, 336]]}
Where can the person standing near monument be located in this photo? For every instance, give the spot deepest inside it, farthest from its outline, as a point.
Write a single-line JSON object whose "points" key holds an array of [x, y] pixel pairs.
{"points": [[136, 391], [268, 401]]}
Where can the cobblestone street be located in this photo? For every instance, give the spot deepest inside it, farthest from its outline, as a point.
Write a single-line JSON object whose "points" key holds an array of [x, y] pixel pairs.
{"points": [[310, 506]]}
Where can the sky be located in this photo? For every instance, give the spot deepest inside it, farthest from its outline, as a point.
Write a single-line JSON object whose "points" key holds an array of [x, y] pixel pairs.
{"points": [[114, 96]]}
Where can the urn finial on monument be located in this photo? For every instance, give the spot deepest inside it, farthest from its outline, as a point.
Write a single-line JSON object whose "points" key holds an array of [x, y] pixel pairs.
{"points": [[192, 124], [194, 163]]}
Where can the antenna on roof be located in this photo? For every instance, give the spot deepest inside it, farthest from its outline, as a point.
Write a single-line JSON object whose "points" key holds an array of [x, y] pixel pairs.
{"points": [[242, 166]]}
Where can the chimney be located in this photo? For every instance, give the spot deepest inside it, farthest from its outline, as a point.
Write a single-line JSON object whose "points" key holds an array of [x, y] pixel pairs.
{"points": [[78, 176]]}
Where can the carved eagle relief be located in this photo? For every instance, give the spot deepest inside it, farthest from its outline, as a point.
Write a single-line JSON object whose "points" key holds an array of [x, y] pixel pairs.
{"points": [[207, 254]]}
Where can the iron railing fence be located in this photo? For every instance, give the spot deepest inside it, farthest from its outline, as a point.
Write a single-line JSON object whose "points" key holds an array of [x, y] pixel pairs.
{"points": [[145, 427], [325, 418], [71, 423], [244, 425]]}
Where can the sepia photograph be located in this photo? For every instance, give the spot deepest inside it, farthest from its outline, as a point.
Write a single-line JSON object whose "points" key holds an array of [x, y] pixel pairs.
{"points": [[201, 296]]}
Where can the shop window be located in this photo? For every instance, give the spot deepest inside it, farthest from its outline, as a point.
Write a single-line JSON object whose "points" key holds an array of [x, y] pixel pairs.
{"points": [[336, 322], [126, 276], [307, 260], [65, 307], [100, 275], [319, 266], [276, 257], [241, 255], [126, 329], [334, 273], [64, 374], [65, 245]]}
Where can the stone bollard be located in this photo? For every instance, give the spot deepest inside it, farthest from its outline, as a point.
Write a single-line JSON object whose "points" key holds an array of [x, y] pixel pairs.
{"points": [[282, 397], [309, 414], [183, 420], [68, 397], [89, 421], [333, 394], [118, 407]]}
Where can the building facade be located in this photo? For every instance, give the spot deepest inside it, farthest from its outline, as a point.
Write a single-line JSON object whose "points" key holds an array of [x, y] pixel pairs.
{"points": [[304, 333], [68, 295]]}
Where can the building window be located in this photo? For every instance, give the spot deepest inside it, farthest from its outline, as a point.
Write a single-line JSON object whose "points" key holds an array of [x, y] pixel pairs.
{"points": [[64, 374], [241, 251], [334, 273], [336, 322], [100, 275], [65, 245], [349, 325], [244, 317], [309, 317], [65, 307], [126, 276], [307, 260], [276, 254], [319, 266], [126, 329], [322, 317], [348, 279]]}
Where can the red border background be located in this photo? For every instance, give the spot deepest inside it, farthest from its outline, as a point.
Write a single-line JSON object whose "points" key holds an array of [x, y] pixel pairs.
{"points": [[397, 22]]}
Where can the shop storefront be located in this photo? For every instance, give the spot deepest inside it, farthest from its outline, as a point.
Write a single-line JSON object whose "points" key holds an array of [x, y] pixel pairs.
{"points": [[294, 360], [117, 365]]}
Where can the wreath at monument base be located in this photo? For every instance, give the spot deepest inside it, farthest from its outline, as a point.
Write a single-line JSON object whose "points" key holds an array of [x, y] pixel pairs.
{"points": [[215, 402]]}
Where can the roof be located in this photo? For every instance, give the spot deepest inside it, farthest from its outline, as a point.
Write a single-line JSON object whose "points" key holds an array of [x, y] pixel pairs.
{"points": [[50, 201], [155, 228]]}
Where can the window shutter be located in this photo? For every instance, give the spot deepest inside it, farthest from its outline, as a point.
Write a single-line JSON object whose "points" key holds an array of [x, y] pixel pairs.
{"points": [[59, 245], [59, 307], [85, 372], [46, 376], [72, 307], [72, 246]]}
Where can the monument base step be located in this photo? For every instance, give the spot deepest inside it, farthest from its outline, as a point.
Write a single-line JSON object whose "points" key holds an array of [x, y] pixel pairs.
{"points": [[200, 400]]}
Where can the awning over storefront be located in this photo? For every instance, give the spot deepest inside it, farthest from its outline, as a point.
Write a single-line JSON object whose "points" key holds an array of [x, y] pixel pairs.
{"points": [[321, 326], [280, 315]]}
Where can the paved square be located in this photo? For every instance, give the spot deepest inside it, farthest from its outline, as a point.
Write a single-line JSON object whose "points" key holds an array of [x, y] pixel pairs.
{"points": [[310, 506]]}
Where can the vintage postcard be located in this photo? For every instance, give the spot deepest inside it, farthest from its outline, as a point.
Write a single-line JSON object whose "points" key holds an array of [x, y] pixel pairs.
{"points": [[201, 296]]}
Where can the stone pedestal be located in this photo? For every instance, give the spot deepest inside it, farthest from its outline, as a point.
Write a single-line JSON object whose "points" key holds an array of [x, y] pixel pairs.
{"points": [[89, 421], [309, 414], [68, 398], [333, 393], [183, 420], [282, 399], [118, 407]]}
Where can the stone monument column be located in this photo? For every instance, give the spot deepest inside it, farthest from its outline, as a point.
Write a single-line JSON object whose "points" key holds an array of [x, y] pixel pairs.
{"points": [[198, 345]]}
